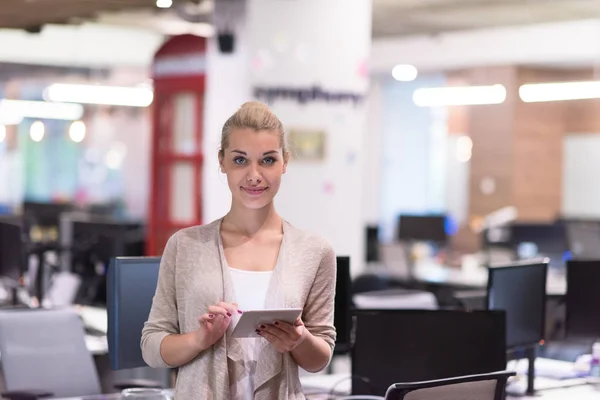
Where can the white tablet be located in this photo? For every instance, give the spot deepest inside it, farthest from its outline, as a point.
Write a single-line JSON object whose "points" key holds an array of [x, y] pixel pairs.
{"points": [[252, 319]]}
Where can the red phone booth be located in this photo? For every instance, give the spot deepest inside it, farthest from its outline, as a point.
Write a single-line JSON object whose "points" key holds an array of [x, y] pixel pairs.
{"points": [[178, 71]]}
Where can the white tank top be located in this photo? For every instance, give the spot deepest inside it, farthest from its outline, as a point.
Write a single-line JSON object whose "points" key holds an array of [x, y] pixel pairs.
{"points": [[250, 289]]}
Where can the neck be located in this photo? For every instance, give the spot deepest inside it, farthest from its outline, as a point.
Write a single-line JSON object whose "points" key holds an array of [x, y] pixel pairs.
{"points": [[249, 222]]}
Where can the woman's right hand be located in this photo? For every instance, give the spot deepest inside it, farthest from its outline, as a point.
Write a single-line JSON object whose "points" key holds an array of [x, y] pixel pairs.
{"points": [[214, 324]]}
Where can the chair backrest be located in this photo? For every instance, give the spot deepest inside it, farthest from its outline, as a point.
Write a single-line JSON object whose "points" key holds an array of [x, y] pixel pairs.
{"points": [[45, 350], [491, 386], [131, 285]]}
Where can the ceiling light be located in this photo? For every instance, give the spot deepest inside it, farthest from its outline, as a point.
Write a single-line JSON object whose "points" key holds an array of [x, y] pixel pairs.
{"points": [[77, 131], [164, 3], [535, 92], [10, 119], [459, 96], [95, 94], [404, 72], [16, 110], [2, 133], [36, 131]]}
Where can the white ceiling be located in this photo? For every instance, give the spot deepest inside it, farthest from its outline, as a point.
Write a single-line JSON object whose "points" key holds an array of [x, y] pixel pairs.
{"points": [[413, 17]]}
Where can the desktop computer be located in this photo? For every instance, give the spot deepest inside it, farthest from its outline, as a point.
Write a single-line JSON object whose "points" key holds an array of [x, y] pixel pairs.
{"points": [[520, 290], [93, 244], [12, 256], [584, 239], [422, 228], [342, 319], [549, 240], [131, 285], [583, 300], [391, 346]]}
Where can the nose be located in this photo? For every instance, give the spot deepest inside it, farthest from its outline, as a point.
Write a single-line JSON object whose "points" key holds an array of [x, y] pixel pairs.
{"points": [[254, 177]]}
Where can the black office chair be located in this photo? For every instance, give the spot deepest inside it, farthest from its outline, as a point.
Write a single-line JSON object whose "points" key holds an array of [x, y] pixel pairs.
{"points": [[490, 386]]}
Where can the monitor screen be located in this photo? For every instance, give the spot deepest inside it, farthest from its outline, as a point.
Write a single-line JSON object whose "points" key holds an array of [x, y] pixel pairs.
{"points": [[392, 346], [95, 243], [12, 257], [422, 228], [520, 290], [130, 290], [583, 299], [550, 240], [584, 239], [343, 302]]}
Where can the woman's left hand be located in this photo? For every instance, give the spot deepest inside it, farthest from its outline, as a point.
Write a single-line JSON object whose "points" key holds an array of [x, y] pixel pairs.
{"points": [[284, 336]]}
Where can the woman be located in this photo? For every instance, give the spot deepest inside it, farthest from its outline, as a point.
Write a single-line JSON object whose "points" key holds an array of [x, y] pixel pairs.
{"points": [[249, 259]]}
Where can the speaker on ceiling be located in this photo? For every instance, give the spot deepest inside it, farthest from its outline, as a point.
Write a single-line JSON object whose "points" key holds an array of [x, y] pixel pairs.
{"points": [[226, 42]]}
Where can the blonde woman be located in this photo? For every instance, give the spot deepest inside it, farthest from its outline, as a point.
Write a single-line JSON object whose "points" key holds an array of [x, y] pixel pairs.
{"points": [[249, 259]]}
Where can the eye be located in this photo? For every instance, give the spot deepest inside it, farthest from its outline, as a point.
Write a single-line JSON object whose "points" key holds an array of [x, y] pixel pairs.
{"points": [[239, 160], [269, 160]]}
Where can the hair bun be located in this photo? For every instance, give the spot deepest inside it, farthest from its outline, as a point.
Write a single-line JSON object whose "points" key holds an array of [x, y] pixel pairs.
{"points": [[253, 104]]}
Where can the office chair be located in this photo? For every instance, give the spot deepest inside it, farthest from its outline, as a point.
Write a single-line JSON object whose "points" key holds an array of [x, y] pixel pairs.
{"points": [[44, 355], [490, 386]]}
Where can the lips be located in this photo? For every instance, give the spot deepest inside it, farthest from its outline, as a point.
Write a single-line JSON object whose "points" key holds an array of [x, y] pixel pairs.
{"points": [[254, 191]]}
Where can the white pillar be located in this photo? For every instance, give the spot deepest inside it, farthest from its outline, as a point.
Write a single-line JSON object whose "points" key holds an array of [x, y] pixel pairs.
{"points": [[227, 88], [308, 60]]}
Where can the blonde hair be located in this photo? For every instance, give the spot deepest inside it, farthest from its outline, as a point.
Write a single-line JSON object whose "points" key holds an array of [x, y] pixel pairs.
{"points": [[256, 116]]}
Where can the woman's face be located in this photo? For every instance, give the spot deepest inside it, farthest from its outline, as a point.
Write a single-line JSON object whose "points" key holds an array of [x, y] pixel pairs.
{"points": [[253, 162]]}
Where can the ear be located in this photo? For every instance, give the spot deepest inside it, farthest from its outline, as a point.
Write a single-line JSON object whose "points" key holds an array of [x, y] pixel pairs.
{"points": [[220, 155], [286, 159]]}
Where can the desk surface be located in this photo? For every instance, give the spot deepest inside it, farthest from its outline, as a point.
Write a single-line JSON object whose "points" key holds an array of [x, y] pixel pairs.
{"points": [[473, 277], [323, 383]]}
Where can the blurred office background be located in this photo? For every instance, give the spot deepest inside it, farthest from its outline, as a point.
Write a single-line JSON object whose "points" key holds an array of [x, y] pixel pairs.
{"points": [[435, 144]]}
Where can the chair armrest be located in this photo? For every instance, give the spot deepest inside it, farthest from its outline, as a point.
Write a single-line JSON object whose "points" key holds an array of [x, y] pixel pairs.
{"points": [[137, 383], [26, 394]]}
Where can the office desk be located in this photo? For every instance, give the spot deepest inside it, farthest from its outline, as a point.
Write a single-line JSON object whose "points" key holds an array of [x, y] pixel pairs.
{"points": [[428, 272], [577, 392]]}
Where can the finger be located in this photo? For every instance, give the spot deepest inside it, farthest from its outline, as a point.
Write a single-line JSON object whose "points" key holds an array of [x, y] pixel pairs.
{"points": [[275, 331], [299, 322], [284, 326], [206, 317], [230, 307], [279, 344], [271, 338], [219, 311]]}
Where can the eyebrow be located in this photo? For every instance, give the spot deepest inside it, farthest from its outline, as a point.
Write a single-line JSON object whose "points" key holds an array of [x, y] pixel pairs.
{"points": [[266, 153]]}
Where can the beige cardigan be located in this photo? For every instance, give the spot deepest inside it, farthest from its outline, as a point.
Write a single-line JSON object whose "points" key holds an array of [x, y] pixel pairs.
{"points": [[193, 275]]}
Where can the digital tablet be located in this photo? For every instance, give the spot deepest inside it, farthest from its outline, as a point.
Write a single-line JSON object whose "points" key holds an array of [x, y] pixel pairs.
{"points": [[252, 319]]}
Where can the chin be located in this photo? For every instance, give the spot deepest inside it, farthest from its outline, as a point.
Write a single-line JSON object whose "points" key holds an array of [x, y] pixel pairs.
{"points": [[256, 204]]}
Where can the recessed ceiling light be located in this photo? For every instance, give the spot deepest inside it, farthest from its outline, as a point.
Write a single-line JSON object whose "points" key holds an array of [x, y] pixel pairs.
{"points": [[164, 3]]}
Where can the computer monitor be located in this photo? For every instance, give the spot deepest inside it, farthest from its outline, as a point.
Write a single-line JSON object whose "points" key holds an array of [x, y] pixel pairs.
{"points": [[422, 228], [372, 244], [93, 245], [550, 240], [393, 346], [131, 286], [12, 256], [520, 290], [45, 214], [584, 239], [583, 299], [343, 304]]}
